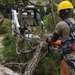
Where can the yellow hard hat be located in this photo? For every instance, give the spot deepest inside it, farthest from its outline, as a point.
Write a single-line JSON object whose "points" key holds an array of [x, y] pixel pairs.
{"points": [[65, 5]]}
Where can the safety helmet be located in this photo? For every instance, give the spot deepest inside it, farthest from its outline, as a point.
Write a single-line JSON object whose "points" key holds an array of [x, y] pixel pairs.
{"points": [[65, 5]]}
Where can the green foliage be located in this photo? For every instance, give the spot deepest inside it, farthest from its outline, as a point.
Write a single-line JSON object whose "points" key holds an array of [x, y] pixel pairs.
{"points": [[9, 53], [9, 48], [6, 6], [73, 2], [49, 8], [42, 12], [5, 26], [39, 1], [49, 22], [48, 65], [55, 5]]}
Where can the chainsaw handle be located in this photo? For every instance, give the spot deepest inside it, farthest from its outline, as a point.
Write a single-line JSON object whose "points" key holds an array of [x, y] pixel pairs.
{"points": [[56, 43], [49, 48]]}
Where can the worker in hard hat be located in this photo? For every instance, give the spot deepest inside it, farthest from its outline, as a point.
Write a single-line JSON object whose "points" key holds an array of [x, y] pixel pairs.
{"points": [[65, 30]]}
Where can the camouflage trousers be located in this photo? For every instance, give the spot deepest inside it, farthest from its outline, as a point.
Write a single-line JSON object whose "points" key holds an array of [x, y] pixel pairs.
{"points": [[72, 71], [71, 56]]}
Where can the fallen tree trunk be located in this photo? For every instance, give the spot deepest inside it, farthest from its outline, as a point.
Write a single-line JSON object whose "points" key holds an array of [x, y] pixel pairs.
{"points": [[34, 61]]}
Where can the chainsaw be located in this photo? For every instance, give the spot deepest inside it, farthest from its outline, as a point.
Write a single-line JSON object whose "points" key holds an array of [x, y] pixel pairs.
{"points": [[51, 46]]}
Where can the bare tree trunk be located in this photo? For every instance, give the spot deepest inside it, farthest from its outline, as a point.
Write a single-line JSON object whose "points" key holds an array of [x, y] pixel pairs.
{"points": [[34, 62], [19, 15], [52, 12]]}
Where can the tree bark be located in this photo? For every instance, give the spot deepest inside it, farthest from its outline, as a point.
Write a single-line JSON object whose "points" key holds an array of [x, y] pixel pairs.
{"points": [[52, 12], [39, 5], [34, 62]]}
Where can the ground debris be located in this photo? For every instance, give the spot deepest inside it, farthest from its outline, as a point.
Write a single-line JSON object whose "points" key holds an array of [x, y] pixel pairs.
{"points": [[6, 71]]}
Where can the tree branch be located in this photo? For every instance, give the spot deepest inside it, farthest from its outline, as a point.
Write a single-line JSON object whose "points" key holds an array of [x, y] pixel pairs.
{"points": [[18, 51], [52, 12], [34, 62], [13, 63], [39, 5]]}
